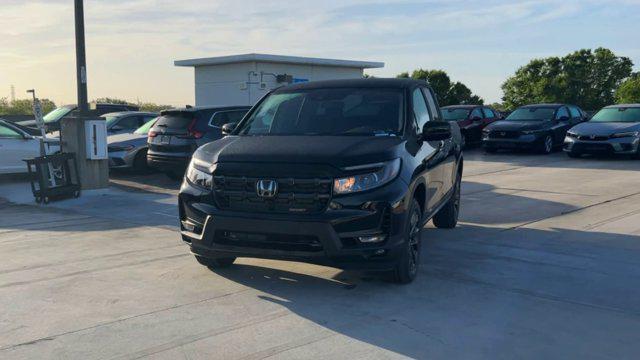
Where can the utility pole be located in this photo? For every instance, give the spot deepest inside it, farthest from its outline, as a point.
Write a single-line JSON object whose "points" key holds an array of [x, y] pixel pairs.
{"points": [[81, 61]]}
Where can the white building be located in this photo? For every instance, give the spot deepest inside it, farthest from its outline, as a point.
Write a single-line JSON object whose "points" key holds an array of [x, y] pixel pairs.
{"points": [[244, 79]]}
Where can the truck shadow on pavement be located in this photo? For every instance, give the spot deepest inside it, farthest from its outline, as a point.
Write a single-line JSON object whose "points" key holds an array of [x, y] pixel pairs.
{"points": [[489, 293]]}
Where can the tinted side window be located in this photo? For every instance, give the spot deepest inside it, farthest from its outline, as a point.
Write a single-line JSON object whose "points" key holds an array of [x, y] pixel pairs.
{"points": [[420, 110], [488, 113], [575, 113], [562, 112], [129, 122], [224, 117], [476, 113], [432, 104]]}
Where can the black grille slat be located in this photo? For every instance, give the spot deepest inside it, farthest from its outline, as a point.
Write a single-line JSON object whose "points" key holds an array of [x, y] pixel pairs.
{"points": [[595, 138], [297, 195], [504, 134]]}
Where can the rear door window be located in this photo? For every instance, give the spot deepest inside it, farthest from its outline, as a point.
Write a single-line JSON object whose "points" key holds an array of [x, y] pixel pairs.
{"points": [[175, 120], [488, 113], [575, 113]]}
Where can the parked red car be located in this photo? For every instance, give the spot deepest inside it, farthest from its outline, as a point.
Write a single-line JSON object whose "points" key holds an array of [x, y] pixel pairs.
{"points": [[471, 119]]}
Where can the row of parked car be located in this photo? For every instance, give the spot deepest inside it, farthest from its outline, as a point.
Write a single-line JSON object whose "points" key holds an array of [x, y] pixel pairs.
{"points": [[614, 129]]}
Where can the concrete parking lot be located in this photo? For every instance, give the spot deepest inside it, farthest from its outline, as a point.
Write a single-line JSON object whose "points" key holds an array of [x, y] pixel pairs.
{"points": [[544, 264]]}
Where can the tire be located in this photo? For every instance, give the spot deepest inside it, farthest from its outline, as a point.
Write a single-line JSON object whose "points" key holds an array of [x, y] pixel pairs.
{"points": [[218, 263], [547, 145], [140, 162], [573, 154], [447, 217], [408, 263]]}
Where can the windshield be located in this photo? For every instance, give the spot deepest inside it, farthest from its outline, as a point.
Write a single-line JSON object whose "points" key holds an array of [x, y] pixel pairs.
{"points": [[532, 114], [455, 114], [617, 115], [144, 129], [57, 114], [338, 111]]}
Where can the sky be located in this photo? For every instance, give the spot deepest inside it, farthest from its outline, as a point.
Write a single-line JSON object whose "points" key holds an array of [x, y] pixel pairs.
{"points": [[131, 44]]}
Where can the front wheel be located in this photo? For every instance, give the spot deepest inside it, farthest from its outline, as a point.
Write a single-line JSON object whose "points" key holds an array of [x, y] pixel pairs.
{"points": [[547, 145], [407, 267]]}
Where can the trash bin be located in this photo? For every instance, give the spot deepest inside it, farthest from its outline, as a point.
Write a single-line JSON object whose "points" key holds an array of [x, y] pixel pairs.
{"points": [[53, 177]]}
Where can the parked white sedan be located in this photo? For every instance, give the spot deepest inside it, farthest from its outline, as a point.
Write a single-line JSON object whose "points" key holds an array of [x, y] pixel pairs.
{"points": [[16, 145]]}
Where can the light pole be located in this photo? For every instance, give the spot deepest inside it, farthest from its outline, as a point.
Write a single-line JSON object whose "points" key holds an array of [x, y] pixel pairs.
{"points": [[81, 61]]}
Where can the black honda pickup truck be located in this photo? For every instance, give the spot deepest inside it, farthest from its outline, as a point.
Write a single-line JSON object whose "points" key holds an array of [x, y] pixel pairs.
{"points": [[343, 173]]}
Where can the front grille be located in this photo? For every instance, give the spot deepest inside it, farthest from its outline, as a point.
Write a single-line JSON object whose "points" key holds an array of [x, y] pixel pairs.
{"points": [[170, 148], [283, 242], [294, 195], [497, 134], [592, 138]]}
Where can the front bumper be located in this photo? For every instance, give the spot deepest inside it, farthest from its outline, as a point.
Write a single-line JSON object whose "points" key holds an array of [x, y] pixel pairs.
{"points": [[168, 162], [120, 159], [619, 146], [327, 238], [522, 142]]}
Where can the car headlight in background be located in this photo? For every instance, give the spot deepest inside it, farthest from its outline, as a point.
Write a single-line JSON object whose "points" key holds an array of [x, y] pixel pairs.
{"points": [[198, 176], [385, 172], [116, 148], [625, 134], [571, 135]]}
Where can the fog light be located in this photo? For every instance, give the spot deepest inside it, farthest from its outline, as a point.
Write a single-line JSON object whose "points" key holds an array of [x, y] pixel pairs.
{"points": [[371, 238], [188, 226]]}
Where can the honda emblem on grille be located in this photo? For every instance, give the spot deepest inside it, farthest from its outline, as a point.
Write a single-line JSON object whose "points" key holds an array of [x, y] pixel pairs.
{"points": [[266, 188], [593, 137], [502, 133]]}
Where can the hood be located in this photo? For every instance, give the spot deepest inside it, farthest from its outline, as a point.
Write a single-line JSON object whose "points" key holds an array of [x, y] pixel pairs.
{"points": [[28, 123], [338, 151], [503, 125], [122, 139], [604, 128]]}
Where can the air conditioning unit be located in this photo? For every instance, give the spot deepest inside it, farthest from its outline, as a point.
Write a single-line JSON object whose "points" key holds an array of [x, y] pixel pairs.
{"points": [[96, 139]]}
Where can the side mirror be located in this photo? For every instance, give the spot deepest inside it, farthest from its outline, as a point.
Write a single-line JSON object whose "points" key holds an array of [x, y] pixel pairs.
{"points": [[228, 128], [563, 118], [436, 131], [476, 118], [116, 128]]}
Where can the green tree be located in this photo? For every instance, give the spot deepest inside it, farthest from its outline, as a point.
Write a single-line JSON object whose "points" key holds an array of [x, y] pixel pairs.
{"points": [[24, 106], [110, 100], [152, 107], [629, 90], [585, 78], [447, 92]]}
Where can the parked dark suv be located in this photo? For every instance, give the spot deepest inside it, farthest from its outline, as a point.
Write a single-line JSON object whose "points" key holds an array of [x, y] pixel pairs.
{"points": [[540, 127], [343, 173], [471, 119], [178, 133]]}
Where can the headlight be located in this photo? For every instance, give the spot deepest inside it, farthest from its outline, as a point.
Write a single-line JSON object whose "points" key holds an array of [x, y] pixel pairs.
{"points": [[571, 134], [115, 148], [625, 134], [385, 172], [197, 175]]}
